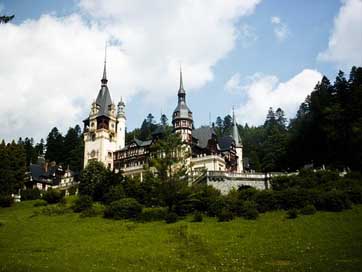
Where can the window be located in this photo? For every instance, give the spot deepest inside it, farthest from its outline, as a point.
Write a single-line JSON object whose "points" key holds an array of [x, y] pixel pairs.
{"points": [[110, 154]]}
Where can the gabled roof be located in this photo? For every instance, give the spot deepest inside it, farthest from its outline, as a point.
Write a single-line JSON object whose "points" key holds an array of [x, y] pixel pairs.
{"points": [[225, 142], [203, 135]]}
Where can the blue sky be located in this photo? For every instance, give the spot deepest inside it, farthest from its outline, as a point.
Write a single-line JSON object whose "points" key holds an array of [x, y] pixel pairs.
{"points": [[249, 54]]}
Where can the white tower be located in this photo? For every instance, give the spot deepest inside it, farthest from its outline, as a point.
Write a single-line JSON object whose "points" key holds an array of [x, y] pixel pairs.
{"points": [[238, 145], [121, 125], [100, 134]]}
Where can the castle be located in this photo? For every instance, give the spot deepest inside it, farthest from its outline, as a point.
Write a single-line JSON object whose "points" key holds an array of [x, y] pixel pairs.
{"points": [[104, 141]]}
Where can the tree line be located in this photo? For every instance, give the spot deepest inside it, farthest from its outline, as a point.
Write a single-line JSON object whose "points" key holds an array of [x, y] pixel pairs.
{"points": [[326, 132]]}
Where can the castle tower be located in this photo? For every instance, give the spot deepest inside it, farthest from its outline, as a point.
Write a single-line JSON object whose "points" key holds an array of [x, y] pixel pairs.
{"points": [[182, 116], [121, 125], [100, 128], [238, 145]]}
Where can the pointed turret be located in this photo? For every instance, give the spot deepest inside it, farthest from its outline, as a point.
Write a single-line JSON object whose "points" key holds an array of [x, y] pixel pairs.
{"points": [[236, 135], [104, 100], [182, 116], [104, 78], [181, 89]]}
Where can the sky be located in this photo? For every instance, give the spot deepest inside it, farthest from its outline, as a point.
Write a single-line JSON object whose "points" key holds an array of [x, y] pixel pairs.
{"points": [[246, 54]]}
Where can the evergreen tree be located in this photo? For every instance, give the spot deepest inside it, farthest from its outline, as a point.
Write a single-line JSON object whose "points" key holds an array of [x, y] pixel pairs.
{"points": [[55, 146]]}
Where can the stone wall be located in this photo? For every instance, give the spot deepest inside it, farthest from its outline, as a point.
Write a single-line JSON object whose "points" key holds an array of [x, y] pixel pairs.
{"points": [[225, 181]]}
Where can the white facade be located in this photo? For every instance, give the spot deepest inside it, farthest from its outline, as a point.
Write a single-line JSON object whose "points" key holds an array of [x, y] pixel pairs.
{"points": [[121, 125]]}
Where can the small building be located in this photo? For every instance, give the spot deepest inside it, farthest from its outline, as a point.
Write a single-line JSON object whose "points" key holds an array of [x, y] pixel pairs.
{"points": [[51, 176]]}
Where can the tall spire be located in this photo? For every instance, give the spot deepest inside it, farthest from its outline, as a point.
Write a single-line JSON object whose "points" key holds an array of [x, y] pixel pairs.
{"points": [[181, 90], [236, 136], [104, 78]]}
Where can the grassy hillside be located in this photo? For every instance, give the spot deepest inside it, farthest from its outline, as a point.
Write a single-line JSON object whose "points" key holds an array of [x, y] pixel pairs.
{"points": [[321, 242]]}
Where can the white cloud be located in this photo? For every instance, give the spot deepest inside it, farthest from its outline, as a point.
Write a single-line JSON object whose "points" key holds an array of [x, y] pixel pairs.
{"points": [[50, 67], [345, 41], [233, 85], [264, 91], [281, 30], [247, 35]]}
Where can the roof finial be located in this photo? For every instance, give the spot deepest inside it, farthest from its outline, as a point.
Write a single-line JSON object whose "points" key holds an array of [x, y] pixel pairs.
{"points": [[104, 78], [181, 81]]}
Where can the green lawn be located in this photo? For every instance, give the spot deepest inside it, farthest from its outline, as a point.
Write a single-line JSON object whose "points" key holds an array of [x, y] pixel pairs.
{"points": [[321, 242]]}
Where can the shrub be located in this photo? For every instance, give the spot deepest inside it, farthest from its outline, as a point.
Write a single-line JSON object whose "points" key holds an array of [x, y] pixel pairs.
{"points": [[83, 203], [292, 213], [89, 212], [53, 210], [153, 214], [6, 201], [197, 217], [40, 203], [293, 198], [72, 190], [266, 201], [334, 201], [52, 196], [225, 215], [309, 209], [206, 195], [247, 193], [171, 217], [249, 210], [30, 194], [115, 193], [124, 208], [216, 206]]}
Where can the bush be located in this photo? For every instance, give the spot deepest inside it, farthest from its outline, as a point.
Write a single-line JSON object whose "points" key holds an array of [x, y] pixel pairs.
{"points": [[249, 210], [52, 196], [334, 201], [89, 212], [266, 201], [216, 206], [54, 210], [84, 202], [72, 190], [247, 193], [114, 193], [293, 198], [153, 214], [40, 203], [171, 217], [292, 213], [309, 209], [30, 194], [197, 217], [225, 215], [6, 201], [123, 209]]}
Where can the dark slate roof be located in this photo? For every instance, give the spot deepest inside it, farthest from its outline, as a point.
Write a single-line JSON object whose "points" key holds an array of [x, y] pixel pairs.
{"points": [[159, 130], [203, 135], [141, 143], [103, 100], [182, 108], [38, 174], [225, 142]]}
